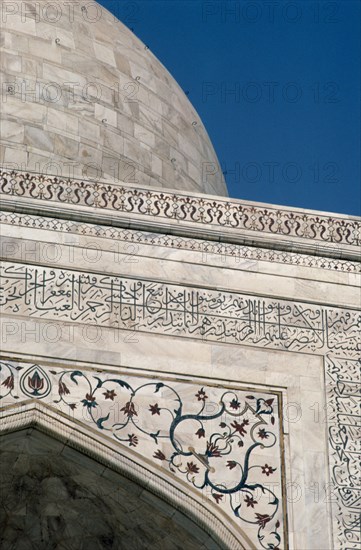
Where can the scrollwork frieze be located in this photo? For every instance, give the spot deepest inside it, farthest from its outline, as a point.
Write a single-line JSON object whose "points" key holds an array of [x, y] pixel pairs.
{"points": [[203, 211]]}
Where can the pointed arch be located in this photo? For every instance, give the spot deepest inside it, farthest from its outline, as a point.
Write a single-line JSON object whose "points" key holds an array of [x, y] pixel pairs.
{"points": [[158, 481]]}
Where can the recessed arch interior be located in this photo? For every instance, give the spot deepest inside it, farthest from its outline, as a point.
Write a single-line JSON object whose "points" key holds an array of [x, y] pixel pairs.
{"points": [[54, 496]]}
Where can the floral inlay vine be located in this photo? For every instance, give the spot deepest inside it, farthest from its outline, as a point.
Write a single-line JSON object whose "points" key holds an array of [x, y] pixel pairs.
{"points": [[225, 443]]}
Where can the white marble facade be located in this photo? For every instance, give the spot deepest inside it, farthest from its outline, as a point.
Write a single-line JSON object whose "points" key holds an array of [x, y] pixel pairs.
{"points": [[206, 348], [150, 306]]}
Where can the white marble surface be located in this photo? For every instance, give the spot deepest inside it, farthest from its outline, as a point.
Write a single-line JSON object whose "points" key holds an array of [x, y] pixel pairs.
{"points": [[305, 439], [85, 96], [306, 355], [96, 255], [298, 376]]}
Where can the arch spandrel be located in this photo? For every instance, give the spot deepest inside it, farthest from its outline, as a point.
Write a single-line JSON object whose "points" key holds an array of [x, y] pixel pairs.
{"points": [[211, 452]]}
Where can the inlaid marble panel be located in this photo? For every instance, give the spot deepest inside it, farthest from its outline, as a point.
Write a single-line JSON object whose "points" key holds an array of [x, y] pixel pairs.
{"points": [[224, 442]]}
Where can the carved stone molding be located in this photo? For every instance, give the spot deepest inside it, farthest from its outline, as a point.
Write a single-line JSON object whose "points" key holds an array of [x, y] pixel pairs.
{"points": [[205, 247], [334, 235]]}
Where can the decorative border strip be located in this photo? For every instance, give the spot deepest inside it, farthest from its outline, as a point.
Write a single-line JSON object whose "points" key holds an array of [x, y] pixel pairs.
{"points": [[207, 212], [343, 391], [234, 251], [147, 306]]}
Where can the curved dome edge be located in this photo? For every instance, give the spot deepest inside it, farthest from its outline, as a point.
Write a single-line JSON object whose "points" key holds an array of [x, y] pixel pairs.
{"points": [[88, 99]]}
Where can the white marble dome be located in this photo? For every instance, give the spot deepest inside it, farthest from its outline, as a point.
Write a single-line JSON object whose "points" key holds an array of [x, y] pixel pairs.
{"points": [[84, 98]]}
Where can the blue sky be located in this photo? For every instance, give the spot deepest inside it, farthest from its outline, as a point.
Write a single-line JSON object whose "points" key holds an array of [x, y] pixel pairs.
{"points": [[276, 84]]}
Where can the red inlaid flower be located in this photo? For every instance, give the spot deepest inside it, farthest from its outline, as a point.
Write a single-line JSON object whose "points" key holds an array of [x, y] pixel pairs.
{"points": [[250, 501], [263, 519], [89, 401], [63, 389], [212, 450], [159, 455], [129, 409], [36, 383], [109, 394], [9, 382], [200, 433], [268, 470], [262, 434], [133, 440], [154, 409], [235, 404], [201, 394], [192, 468], [240, 427]]}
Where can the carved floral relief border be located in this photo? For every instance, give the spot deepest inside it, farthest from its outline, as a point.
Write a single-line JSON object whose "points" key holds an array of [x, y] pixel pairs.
{"points": [[133, 238], [226, 443], [212, 212]]}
